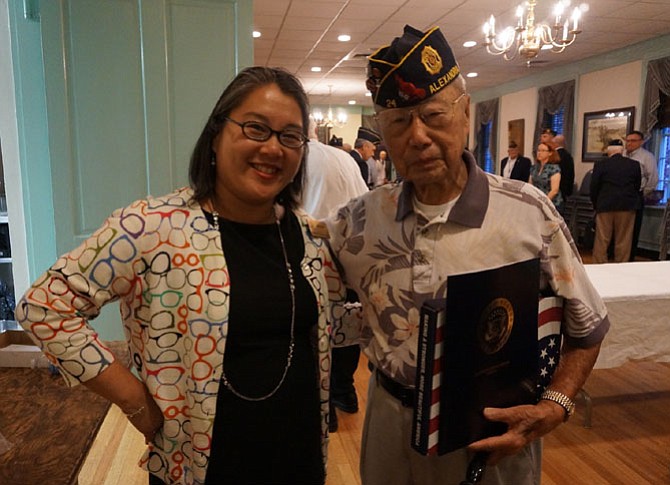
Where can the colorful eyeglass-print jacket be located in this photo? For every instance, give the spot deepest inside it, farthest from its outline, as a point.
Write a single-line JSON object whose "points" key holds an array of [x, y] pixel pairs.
{"points": [[163, 262]]}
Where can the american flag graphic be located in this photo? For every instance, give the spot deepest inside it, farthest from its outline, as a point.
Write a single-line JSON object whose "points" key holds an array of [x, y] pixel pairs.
{"points": [[426, 438], [550, 315], [434, 415], [426, 420]]}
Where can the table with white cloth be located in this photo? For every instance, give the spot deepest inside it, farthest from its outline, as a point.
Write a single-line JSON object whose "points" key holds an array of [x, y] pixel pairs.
{"points": [[637, 296]]}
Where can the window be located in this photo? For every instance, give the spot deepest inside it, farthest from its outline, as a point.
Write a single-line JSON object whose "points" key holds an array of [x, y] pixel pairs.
{"points": [[486, 145], [663, 152], [555, 121]]}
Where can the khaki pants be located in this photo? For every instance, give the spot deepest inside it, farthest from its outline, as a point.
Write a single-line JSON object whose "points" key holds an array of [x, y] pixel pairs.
{"points": [[388, 459], [617, 224]]}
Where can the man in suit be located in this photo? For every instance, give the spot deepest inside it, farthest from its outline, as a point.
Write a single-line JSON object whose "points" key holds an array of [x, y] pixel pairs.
{"points": [[363, 149], [567, 164], [615, 185], [514, 166], [374, 138]]}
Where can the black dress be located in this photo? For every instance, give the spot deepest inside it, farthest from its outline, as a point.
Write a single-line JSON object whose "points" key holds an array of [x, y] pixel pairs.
{"points": [[277, 440]]}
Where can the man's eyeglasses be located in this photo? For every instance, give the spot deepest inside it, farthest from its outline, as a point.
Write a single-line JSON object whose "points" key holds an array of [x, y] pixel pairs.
{"points": [[434, 114], [257, 131]]}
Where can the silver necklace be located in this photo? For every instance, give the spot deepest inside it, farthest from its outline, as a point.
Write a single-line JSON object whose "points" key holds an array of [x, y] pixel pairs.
{"points": [[291, 345]]}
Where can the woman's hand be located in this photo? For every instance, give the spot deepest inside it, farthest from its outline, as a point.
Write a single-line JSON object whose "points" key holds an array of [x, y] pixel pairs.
{"points": [[148, 418], [120, 386]]}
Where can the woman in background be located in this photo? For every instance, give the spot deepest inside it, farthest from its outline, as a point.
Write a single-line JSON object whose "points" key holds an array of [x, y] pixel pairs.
{"points": [[546, 173], [224, 297]]}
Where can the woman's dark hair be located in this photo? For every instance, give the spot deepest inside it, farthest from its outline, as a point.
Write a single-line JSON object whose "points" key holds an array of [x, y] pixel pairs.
{"points": [[202, 174]]}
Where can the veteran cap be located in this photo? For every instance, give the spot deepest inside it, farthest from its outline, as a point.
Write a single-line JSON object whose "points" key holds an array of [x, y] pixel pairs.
{"points": [[413, 68], [615, 143], [368, 134], [548, 131]]}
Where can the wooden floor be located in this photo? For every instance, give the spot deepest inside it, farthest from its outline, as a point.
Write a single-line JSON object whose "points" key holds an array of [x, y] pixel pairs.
{"points": [[628, 444]]}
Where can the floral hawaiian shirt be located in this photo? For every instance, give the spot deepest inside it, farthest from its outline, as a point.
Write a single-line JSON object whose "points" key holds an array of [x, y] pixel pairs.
{"points": [[395, 259]]}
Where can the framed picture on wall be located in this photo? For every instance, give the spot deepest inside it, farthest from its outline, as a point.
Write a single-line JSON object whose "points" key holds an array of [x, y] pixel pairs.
{"points": [[602, 126], [515, 133]]}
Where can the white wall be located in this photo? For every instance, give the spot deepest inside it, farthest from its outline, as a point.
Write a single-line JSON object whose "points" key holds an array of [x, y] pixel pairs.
{"points": [[349, 131], [616, 87], [519, 105]]}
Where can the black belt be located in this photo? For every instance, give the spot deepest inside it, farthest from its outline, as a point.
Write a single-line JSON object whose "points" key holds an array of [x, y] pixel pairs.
{"points": [[402, 393]]}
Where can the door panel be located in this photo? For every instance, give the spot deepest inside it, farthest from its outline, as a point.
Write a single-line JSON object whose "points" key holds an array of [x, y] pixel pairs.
{"points": [[129, 86]]}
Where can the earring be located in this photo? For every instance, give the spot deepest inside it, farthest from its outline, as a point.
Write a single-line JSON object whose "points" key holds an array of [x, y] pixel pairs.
{"points": [[212, 161]]}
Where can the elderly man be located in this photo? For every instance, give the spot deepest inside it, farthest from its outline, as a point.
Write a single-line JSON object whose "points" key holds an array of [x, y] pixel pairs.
{"points": [[363, 150], [514, 166], [615, 185], [398, 245]]}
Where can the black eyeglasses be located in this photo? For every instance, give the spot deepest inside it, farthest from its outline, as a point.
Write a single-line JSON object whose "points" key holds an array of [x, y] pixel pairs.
{"points": [[434, 114], [257, 131]]}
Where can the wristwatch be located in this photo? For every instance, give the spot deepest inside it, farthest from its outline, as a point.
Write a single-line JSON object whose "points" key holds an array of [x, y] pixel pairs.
{"points": [[562, 400]]}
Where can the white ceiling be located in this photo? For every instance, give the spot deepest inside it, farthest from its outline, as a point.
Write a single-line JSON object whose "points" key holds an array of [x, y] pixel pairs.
{"points": [[299, 34]]}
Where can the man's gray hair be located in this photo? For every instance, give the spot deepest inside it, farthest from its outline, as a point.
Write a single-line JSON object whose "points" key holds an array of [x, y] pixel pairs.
{"points": [[612, 149], [361, 142]]}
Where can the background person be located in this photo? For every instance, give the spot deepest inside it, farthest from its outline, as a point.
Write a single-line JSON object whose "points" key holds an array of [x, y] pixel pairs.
{"points": [[547, 135], [567, 164], [398, 245], [546, 173], [374, 171], [649, 167], [224, 299], [615, 185], [332, 179], [515, 166], [389, 169], [363, 150]]}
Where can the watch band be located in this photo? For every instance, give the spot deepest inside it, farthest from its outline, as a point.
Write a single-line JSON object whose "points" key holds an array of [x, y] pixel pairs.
{"points": [[561, 399]]}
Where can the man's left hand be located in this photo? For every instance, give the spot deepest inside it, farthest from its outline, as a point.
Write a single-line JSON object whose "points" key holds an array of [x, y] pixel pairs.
{"points": [[524, 424]]}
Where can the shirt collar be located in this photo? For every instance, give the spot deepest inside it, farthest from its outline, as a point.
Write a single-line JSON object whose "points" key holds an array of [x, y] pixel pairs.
{"points": [[470, 209]]}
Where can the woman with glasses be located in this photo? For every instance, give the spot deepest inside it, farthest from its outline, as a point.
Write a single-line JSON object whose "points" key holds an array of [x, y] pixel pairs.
{"points": [[546, 173], [225, 300]]}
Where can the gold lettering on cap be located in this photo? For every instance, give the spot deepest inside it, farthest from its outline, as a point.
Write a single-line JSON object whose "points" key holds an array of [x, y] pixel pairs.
{"points": [[442, 81], [431, 60]]}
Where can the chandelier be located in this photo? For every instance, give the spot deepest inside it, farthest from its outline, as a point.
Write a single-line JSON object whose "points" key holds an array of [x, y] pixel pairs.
{"points": [[329, 120], [527, 38]]}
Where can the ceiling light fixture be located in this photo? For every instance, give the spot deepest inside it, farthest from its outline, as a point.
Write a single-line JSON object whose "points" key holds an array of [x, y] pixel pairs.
{"points": [[255, 34], [330, 120], [528, 38], [344, 38], [469, 43], [316, 69]]}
